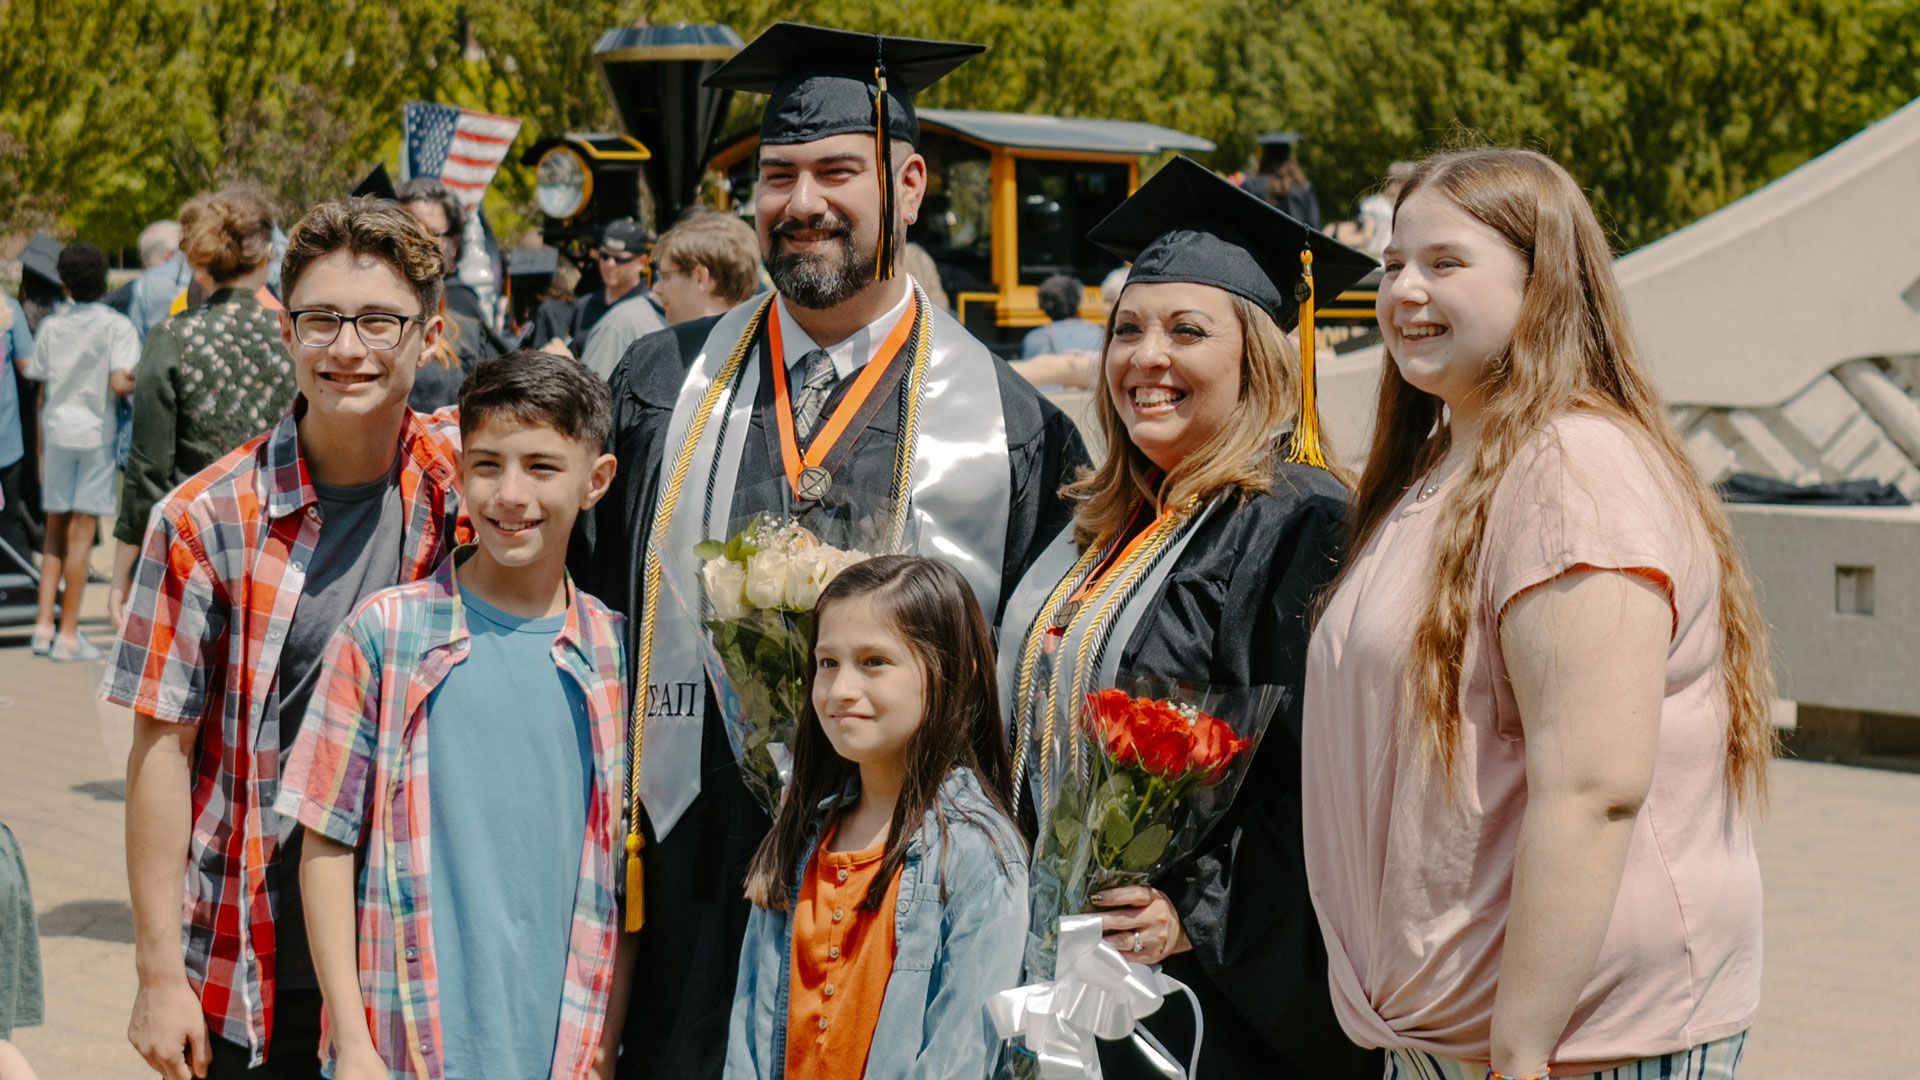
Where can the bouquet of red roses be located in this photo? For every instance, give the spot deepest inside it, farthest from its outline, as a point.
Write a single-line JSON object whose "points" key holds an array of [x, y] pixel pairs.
{"points": [[1150, 769]]}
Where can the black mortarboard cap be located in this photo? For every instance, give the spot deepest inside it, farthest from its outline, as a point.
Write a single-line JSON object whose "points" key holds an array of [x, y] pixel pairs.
{"points": [[1276, 147], [1187, 224], [42, 256], [376, 184], [532, 262], [822, 80], [826, 82]]}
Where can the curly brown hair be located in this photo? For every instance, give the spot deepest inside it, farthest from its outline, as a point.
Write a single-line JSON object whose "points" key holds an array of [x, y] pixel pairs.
{"points": [[228, 233], [366, 226]]}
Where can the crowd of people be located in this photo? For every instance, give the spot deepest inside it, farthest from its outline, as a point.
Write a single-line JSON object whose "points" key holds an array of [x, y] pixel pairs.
{"points": [[430, 777]]}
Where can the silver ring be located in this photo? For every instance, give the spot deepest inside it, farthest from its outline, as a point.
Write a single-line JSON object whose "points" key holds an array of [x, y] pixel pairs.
{"points": [[1136, 941]]}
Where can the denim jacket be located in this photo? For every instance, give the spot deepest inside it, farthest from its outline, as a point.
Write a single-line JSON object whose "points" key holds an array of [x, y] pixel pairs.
{"points": [[948, 959]]}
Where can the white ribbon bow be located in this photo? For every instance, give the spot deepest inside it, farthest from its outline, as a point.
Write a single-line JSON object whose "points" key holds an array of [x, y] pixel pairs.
{"points": [[1095, 994]]}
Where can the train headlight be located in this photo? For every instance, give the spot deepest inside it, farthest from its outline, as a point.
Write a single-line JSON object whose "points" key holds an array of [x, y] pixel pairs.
{"points": [[562, 182]]}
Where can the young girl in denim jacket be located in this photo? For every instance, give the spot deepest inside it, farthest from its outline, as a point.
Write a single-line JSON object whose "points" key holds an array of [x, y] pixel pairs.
{"points": [[890, 897]]}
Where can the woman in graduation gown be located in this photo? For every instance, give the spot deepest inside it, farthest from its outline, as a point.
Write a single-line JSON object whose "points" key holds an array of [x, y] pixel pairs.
{"points": [[1196, 553]]}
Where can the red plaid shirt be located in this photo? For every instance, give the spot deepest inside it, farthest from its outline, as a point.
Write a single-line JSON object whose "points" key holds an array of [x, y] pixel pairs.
{"points": [[208, 613]]}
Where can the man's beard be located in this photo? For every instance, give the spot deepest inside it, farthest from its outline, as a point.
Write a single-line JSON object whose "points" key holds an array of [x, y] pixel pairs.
{"points": [[821, 279]]}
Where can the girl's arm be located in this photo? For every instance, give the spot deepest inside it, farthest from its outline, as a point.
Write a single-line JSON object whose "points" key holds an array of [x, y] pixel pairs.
{"points": [[326, 889], [985, 934], [744, 1022], [1586, 654]]}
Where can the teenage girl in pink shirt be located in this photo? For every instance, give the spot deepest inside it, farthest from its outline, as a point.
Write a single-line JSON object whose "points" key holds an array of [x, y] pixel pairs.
{"points": [[1537, 699]]}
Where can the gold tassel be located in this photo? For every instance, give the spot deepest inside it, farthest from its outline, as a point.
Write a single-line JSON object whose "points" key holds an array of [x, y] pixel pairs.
{"points": [[1306, 427], [636, 883], [883, 153]]}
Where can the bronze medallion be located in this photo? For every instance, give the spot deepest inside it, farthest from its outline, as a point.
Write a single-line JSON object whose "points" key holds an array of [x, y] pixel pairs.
{"points": [[814, 483]]}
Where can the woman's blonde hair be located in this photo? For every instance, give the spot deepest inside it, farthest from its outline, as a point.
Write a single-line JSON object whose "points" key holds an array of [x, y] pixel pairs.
{"points": [[1571, 350], [1242, 454]]}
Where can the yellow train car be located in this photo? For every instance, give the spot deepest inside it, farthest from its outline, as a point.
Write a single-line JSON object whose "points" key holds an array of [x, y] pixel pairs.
{"points": [[1010, 197]]}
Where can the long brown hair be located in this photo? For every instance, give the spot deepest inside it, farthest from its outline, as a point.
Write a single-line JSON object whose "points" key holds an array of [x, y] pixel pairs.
{"points": [[1571, 350], [933, 608], [1241, 454]]}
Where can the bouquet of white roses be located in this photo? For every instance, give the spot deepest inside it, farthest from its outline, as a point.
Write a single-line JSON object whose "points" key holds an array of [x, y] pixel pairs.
{"points": [[760, 587]]}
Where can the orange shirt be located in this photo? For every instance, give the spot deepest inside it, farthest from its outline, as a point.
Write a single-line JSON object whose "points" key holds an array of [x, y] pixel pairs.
{"points": [[842, 958]]}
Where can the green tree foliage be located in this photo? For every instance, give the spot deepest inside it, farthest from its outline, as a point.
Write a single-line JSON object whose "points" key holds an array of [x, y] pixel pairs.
{"points": [[113, 112], [1664, 109]]}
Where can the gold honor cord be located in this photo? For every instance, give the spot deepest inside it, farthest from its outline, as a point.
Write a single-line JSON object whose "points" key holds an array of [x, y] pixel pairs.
{"points": [[650, 606], [1306, 428], [1126, 576], [909, 438], [650, 603]]}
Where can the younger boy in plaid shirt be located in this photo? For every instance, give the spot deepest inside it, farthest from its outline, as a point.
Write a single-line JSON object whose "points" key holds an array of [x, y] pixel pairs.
{"points": [[497, 956]]}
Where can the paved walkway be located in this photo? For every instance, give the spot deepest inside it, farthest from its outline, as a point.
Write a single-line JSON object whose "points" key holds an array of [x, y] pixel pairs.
{"points": [[1840, 851]]}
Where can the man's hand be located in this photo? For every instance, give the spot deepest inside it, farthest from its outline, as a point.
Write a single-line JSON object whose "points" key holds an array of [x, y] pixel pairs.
{"points": [[362, 1062], [169, 1031]]}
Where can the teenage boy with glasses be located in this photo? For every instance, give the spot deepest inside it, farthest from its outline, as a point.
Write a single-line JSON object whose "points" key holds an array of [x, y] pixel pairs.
{"points": [[246, 570]]}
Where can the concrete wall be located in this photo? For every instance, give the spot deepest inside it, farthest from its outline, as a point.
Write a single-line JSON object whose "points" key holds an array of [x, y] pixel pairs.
{"points": [[1825, 657]]}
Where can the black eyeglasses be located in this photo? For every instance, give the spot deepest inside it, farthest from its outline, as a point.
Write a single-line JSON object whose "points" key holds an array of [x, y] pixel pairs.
{"points": [[617, 260], [317, 328]]}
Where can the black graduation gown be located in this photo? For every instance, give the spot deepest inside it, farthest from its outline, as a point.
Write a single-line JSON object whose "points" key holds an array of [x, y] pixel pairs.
{"points": [[1233, 612], [696, 912]]}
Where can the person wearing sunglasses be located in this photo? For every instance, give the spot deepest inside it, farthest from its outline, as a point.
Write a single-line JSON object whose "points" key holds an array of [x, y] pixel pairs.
{"points": [[620, 312]]}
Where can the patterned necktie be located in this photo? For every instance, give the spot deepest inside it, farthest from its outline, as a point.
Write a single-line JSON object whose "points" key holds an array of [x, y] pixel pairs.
{"points": [[812, 399]]}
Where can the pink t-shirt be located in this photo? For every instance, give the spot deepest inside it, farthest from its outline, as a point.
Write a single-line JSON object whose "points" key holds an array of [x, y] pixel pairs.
{"points": [[1412, 888]]}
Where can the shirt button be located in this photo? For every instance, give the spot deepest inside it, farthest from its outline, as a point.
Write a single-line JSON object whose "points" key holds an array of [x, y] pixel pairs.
{"points": [[296, 566], [412, 951], [823, 1023], [833, 952], [828, 990], [276, 634], [838, 914], [842, 875]]}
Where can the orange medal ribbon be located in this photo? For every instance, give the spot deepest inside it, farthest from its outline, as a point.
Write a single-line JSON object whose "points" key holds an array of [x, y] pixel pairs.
{"points": [[1117, 556], [791, 458]]}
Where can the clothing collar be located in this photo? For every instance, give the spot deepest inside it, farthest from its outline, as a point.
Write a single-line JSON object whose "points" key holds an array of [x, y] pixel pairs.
{"points": [[231, 295], [848, 356], [290, 488], [449, 622]]}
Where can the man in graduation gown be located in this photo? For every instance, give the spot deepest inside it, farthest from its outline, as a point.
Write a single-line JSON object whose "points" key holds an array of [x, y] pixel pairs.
{"points": [[845, 395]]}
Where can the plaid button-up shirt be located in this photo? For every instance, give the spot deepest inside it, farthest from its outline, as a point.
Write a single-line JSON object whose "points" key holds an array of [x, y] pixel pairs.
{"points": [[358, 774], [213, 596]]}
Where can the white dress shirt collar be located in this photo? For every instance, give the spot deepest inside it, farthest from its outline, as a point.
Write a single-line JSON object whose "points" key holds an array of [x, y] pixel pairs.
{"points": [[848, 356]]}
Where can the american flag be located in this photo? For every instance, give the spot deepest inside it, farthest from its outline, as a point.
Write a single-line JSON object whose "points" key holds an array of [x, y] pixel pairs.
{"points": [[462, 147]]}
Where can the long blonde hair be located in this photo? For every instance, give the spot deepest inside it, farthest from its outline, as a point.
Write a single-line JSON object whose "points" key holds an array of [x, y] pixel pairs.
{"points": [[1241, 454], [1571, 350]]}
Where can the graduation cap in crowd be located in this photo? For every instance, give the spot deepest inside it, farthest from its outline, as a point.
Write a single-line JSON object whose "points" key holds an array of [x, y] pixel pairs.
{"points": [[41, 257], [1187, 224], [825, 82], [1276, 147], [377, 184], [532, 262]]}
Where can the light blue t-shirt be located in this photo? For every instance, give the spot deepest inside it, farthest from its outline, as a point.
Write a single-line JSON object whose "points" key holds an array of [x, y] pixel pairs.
{"points": [[16, 341], [1063, 335], [510, 766]]}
